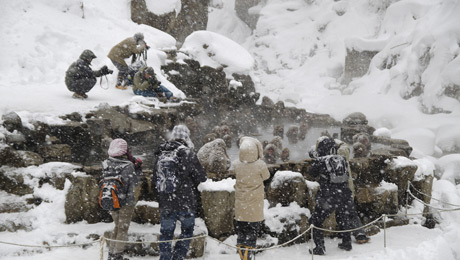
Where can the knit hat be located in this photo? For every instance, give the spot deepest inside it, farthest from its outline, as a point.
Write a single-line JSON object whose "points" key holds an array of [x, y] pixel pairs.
{"points": [[118, 147], [150, 71], [182, 132], [138, 37]]}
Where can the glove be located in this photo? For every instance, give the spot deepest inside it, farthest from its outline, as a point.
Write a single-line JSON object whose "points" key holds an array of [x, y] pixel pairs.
{"points": [[138, 164]]}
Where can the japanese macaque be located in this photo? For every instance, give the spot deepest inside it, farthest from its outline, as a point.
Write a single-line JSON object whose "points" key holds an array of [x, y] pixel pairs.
{"points": [[224, 130], [271, 154], [364, 139], [325, 133], [292, 134], [228, 140], [278, 131], [359, 150], [303, 129], [264, 143], [278, 142], [192, 125], [209, 138], [285, 155]]}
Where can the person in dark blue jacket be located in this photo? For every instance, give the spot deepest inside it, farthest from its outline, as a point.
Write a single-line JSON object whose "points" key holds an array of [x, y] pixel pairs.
{"points": [[177, 173], [334, 193]]}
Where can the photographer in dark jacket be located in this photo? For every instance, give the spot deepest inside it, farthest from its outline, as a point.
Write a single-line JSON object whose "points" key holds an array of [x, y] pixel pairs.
{"points": [[334, 193], [179, 201], [80, 78]]}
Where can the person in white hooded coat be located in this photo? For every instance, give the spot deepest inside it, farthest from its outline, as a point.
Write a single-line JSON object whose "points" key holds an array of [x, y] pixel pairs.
{"points": [[250, 171]]}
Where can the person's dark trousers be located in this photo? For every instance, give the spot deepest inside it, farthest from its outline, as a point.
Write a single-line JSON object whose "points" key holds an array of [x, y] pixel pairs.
{"points": [[247, 232], [168, 225], [151, 93], [82, 85], [355, 223], [122, 72], [328, 201]]}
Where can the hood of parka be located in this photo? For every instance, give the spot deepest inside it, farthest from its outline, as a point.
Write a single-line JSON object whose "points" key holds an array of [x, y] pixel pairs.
{"points": [[250, 150], [87, 56]]}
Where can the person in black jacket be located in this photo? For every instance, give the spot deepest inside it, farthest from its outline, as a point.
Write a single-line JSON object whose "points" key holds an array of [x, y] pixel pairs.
{"points": [[80, 78], [334, 193], [177, 173]]}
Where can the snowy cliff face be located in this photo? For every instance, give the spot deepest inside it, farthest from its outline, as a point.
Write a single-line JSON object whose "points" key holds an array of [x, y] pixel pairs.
{"points": [[417, 43]]}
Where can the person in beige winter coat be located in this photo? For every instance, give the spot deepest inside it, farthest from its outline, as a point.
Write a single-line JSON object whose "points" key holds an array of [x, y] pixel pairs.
{"points": [[250, 171]]}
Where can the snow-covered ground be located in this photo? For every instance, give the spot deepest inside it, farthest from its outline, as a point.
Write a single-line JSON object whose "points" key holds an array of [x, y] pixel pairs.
{"points": [[296, 54]]}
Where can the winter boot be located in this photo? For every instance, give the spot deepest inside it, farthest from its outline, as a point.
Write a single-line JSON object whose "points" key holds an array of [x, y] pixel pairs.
{"points": [[118, 256], [244, 253], [120, 84], [362, 238], [317, 251], [79, 95], [122, 87], [345, 246], [111, 256], [175, 99]]}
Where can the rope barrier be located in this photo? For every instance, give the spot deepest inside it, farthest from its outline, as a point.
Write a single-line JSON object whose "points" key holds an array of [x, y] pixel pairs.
{"points": [[155, 242], [265, 248], [428, 205], [445, 203], [349, 230], [45, 246]]}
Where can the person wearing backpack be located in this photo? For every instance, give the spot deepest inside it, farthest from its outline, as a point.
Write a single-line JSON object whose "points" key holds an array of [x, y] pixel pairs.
{"points": [[177, 173], [250, 172], [120, 176], [334, 193]]}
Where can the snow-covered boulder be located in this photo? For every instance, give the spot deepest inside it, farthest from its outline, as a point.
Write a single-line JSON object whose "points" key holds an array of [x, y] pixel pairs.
{"points": [[379, 199], [400, 171], [286, 222], [218, 200], [287, 187], [12, 121], [214, 159]]}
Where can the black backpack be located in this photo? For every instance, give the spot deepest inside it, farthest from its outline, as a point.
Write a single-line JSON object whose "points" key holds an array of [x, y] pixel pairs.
{"points": [[337, 168], [167, 164], [112, 190]]}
